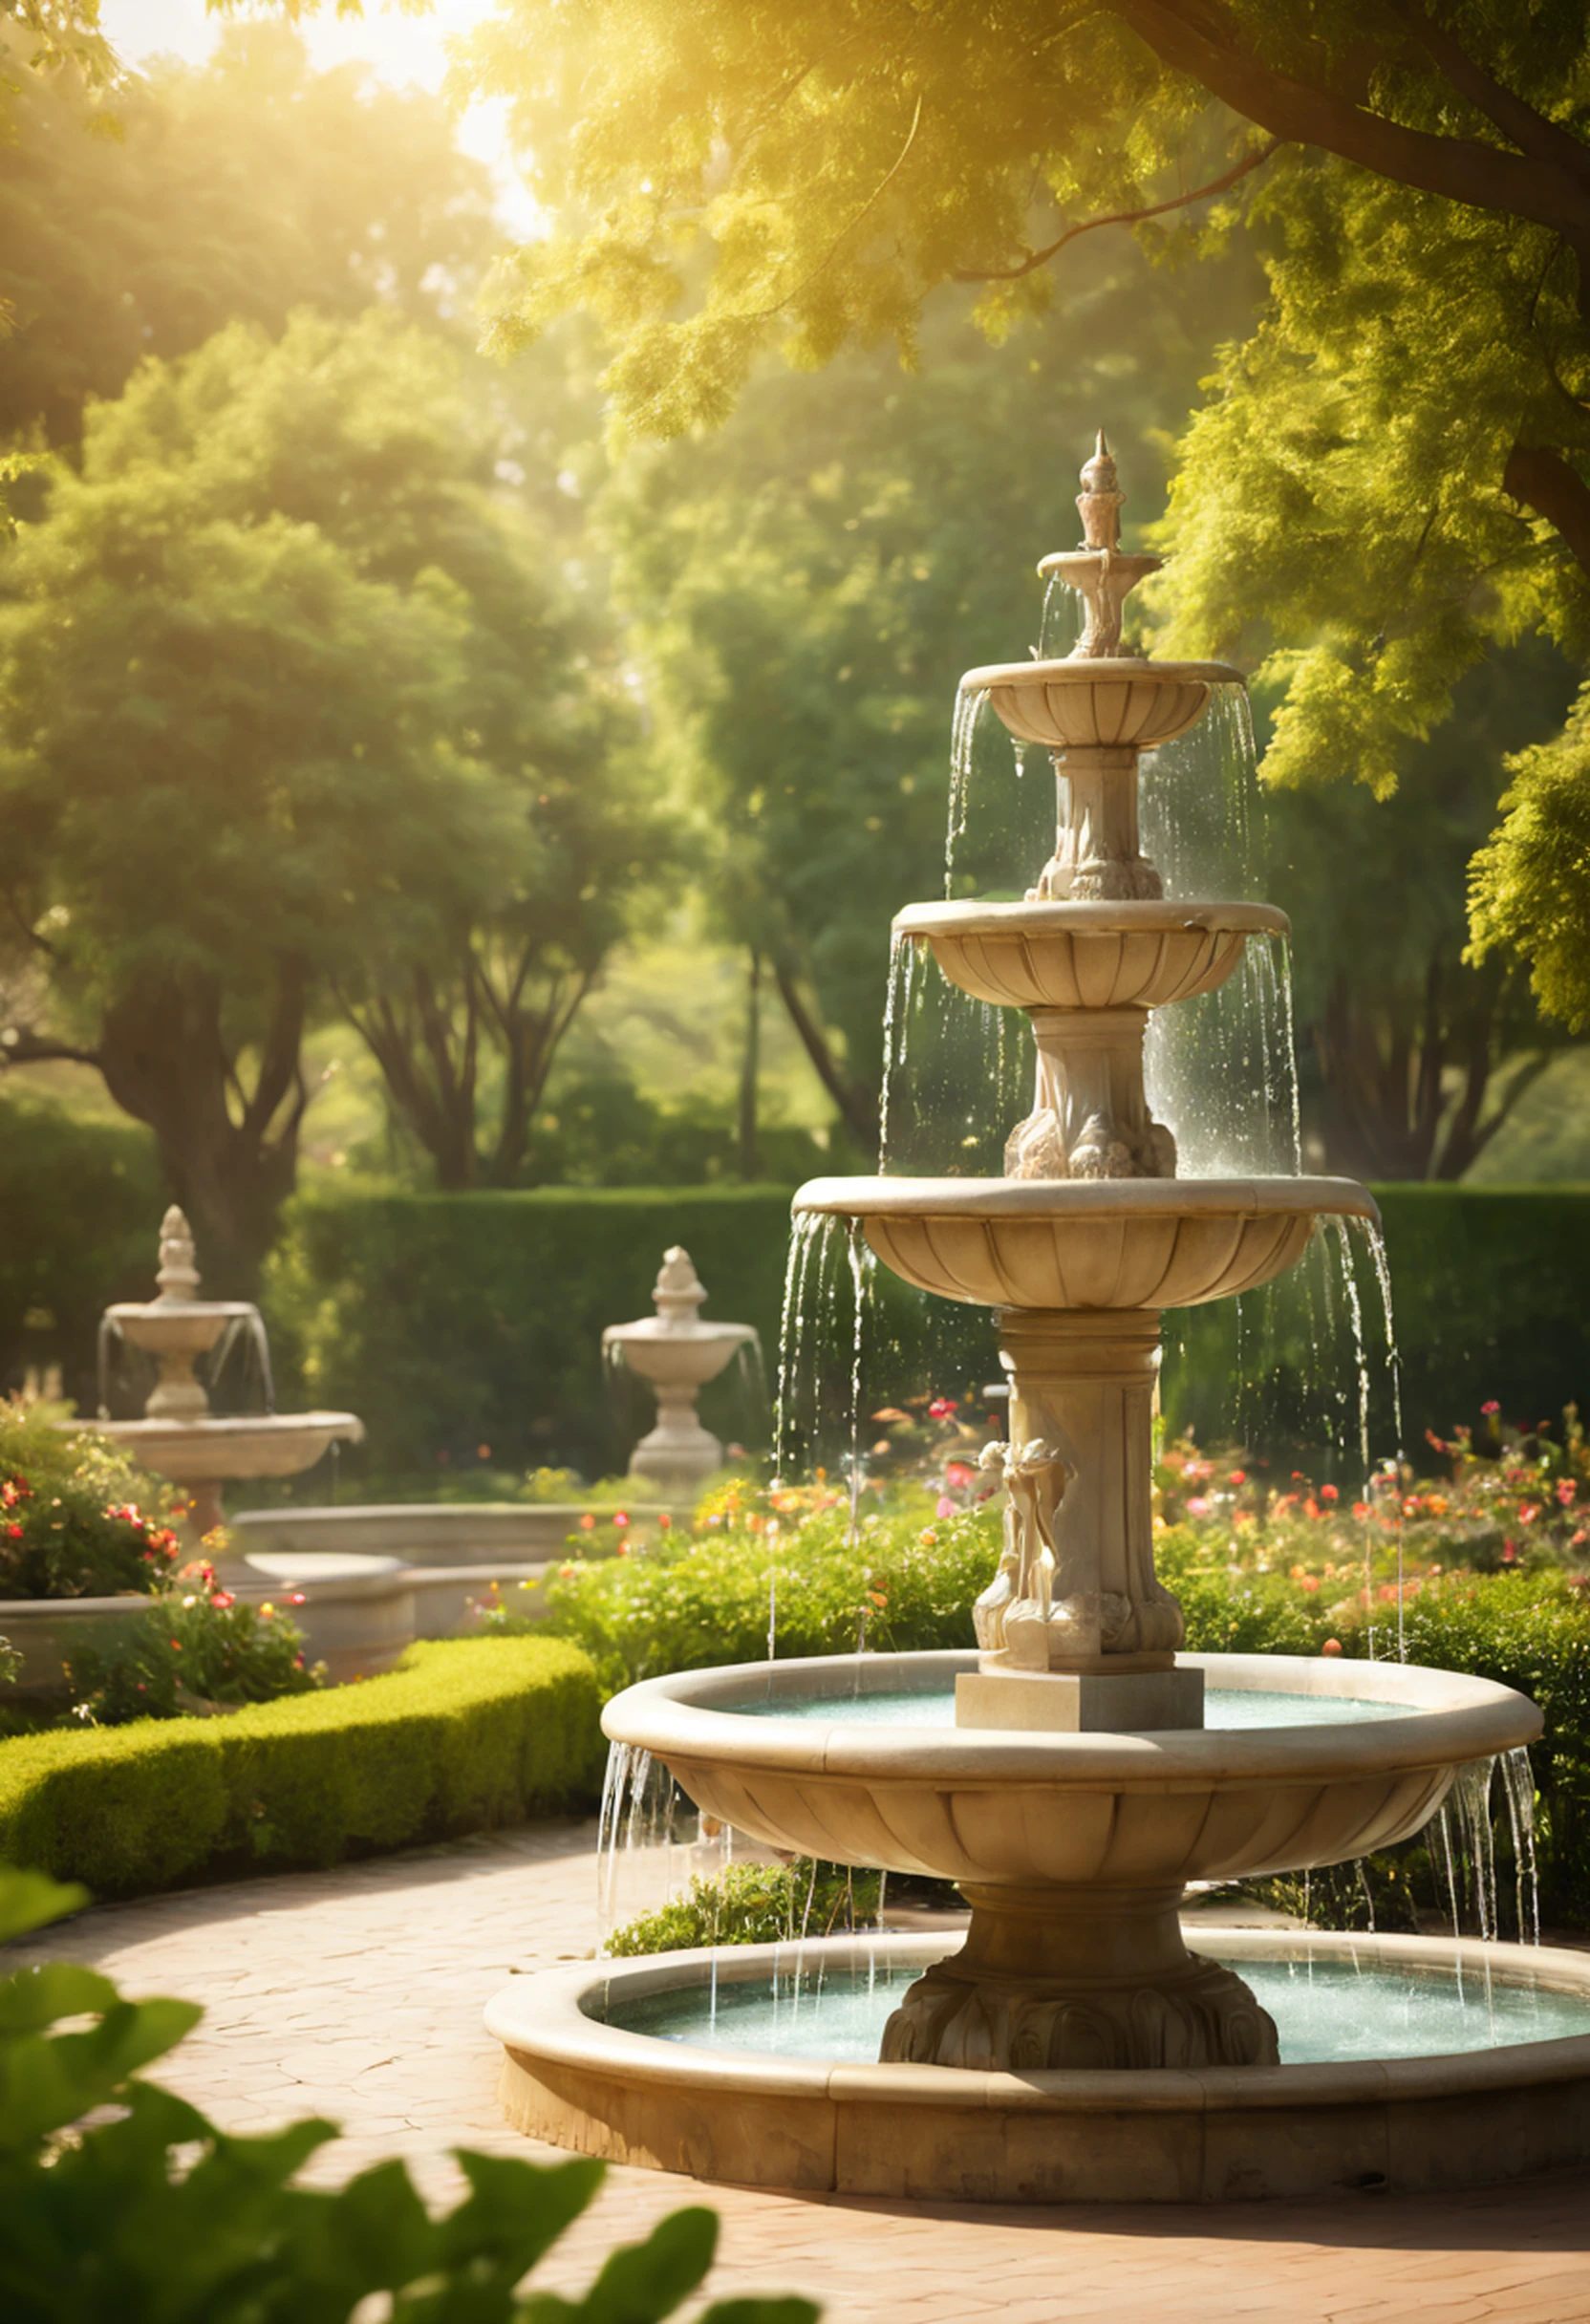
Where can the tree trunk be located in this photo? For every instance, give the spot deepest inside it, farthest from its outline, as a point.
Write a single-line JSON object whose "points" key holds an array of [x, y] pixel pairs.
{"points": [[750, 1065], [857, 1104], [230, 1156]]}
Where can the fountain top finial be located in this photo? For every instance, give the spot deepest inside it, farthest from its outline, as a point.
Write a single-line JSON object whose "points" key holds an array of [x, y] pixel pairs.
{"points": [[179, 1273], [1099, 502], [678, 1290]]}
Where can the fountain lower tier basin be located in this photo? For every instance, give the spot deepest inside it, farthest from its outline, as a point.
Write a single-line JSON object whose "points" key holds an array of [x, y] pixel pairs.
{"points": [[1407, 2064], [1099, 702], [1082, 1243], [1088, 956]]}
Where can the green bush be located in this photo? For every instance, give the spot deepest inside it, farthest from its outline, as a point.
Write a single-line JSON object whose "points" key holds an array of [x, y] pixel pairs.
{"points": [[690, 1599], [69, 1524], [756, 1905], [82, 1201], [195, 1650], [157, 2216], [465, 1735]]}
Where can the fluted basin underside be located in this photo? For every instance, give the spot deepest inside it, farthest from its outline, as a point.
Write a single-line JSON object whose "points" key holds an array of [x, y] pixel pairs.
{"points": [[988, 1806], [1088, 956], [1087, 1243], [1080, 704], [216, 1448]]}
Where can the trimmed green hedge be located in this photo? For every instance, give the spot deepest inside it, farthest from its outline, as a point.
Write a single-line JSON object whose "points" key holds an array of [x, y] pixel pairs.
{"points": [[452, 1321], [464, 1736], [1491, 1286]]}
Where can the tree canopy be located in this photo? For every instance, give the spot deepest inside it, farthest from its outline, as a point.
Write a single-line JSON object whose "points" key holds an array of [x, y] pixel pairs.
{"points": [[1389, 476], [288, 710]]}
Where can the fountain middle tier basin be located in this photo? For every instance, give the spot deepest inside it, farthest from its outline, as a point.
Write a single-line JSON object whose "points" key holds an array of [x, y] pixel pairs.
{"points": [[1129, 1811], [1099, 703], [1088, 956], [1080, 1243]]}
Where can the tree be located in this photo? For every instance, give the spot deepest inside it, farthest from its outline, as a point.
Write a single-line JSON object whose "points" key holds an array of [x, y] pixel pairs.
{"points": [[277, 675], [1393, 472], [132, 223]]}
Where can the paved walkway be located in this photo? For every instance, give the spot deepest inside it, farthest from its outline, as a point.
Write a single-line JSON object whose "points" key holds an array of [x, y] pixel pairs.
{"points": [[358, 1994]]}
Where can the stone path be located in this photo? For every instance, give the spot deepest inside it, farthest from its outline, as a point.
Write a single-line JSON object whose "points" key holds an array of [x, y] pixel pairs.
{"points": [[358, 1994]]}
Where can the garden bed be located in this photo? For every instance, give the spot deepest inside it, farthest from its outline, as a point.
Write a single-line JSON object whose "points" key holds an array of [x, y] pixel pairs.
{"points": [[463, 1737]]}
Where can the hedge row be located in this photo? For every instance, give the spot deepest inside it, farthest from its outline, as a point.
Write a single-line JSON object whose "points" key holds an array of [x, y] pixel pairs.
{"points": [[463, 1736]]}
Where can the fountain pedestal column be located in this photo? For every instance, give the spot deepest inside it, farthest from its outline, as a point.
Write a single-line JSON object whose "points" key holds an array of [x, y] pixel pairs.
{"points": [[1076, 1630], [1077, 1980]]}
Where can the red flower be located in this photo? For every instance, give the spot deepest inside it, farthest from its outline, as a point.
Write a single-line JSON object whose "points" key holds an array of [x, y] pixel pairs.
{"points": [[664, 1522], [620, 1517], [223, 1599], [1329, 1493], [1493, 1407], [1332, 1645], [942, 1407], [588, 1523], [15, 1532], [1239, 1477]]}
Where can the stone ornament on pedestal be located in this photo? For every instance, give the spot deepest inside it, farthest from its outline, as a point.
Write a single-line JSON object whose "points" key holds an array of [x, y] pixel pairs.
{"points": [[677, 1353]]}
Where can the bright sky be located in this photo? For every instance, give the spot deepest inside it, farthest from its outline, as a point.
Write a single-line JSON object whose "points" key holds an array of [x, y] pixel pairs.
{"points": [[402, 50]]}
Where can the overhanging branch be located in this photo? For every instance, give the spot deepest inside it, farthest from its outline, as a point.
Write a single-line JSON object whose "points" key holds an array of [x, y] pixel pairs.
{"points": [[1090, 225]]}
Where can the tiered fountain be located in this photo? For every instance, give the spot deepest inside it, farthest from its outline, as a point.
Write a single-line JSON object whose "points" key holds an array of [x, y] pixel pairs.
{"points": [[358, 1612], [1071, 1772], [678, 1350]]}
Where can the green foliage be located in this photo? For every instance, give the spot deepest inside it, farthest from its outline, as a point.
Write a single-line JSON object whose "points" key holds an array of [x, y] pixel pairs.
{"points": [[69, 1524], [1530, 889], [689, 1600], [465, 1735], [116, 248], [158, 2217], [196, 1651], [449, 1321], [79, 1198], [756, 1905]]}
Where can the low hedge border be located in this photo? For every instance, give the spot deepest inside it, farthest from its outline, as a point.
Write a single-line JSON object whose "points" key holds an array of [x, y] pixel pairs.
{"points": [[464, 1736]]}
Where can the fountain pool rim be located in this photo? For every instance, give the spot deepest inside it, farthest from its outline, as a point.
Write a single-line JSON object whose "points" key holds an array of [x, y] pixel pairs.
{"points": [[1183, 1199], [1095, 670], [1445, 1719], [1151, 2134]]}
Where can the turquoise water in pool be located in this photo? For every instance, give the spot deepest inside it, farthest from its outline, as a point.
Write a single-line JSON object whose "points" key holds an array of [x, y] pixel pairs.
{"points": [[1326, 2012], [1224, 1706]]}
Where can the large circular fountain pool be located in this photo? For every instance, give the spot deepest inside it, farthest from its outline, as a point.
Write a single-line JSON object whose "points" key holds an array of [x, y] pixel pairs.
{"points": [[1331, 2010], [1224, 1706]]}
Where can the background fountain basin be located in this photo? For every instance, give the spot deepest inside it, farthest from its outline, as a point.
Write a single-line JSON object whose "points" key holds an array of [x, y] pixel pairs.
{"points": [[1122, 703], [1088, 956], [232, 1446], [1079, 1811], [1404, 2124], [1069, 1244]]}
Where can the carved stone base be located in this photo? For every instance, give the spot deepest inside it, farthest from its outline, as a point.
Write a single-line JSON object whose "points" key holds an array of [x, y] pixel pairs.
{"points": [[1066, 1980]]}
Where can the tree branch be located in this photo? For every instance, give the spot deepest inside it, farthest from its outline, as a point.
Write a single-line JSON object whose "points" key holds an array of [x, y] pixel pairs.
{"points": [[20, 1048], [1090, 225], [1186, 35], [1530, 131], [859, 1111], [1543, 481]]}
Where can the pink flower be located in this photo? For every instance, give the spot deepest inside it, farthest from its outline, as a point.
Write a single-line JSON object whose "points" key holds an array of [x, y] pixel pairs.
{"points": [[620, 1517], [956, 1473], [1565, 1491], [1528, 1512], [1510, 1552], [944, 1507], [223, 1599], [1197, 1506], [1493, 1407], [588, 1523], [1330, 1492]]}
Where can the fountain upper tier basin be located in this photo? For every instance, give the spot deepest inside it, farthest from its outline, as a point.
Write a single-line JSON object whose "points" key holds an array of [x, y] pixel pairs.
{"points": [[1098, 702], [243, 1444], [1132, 1811], [1076, 1243], [1088, 956], [686, 1353]]}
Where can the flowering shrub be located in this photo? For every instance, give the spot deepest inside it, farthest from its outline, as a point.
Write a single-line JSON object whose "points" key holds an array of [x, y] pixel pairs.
{"points": [[71, 1525], [197, 1651]]}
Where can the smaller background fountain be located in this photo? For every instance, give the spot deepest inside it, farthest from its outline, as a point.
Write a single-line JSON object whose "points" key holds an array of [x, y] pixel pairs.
{"points": [[677, 1352]]}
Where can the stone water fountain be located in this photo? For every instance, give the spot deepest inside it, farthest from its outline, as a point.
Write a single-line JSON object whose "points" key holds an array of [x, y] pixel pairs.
{"points": [[358, 1613], [1075, 1768], [677, 1351]]}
